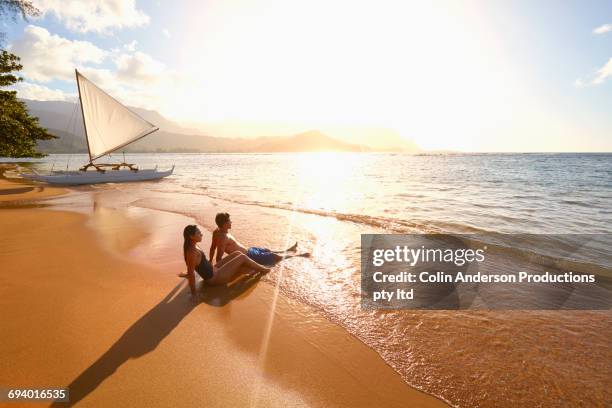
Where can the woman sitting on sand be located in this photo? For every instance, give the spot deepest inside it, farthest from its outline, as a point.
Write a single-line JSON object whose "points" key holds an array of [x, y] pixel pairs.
{"points": [[223, 272]]}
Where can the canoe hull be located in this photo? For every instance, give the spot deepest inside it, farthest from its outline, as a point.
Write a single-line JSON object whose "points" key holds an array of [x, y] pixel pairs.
{"points": [[71, 178]]}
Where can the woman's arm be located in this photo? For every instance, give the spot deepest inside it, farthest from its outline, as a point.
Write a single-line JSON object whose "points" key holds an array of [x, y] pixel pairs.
{"points": [[191, 264]]}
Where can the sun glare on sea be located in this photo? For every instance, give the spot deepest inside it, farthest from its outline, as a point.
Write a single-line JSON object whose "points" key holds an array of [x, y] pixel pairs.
{"points": [[325, 180]]}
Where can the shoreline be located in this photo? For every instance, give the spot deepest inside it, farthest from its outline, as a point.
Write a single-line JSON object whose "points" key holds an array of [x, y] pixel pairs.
{"points": [[109, 313], [19, 189]]}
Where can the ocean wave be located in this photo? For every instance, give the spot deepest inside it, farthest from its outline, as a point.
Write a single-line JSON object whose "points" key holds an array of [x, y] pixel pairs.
{"points": [[539, 249], [578, 203], [551, 250], [387, 223]]}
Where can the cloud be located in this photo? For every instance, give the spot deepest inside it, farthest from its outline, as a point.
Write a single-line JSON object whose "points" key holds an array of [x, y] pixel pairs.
{"points": [[46, 56], [166, 33], [603, 73], [600, 76], [131, 46], [139, 67], [102, 77], [603, 29], [133, 77], [99, 16], [27, 90]]}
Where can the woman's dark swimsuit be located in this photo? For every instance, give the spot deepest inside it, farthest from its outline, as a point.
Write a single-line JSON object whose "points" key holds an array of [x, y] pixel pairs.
{"points": [[204, 269]]}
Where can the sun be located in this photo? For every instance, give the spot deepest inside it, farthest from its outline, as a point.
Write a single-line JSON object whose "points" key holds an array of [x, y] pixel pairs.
{"points": [[435, 74]]}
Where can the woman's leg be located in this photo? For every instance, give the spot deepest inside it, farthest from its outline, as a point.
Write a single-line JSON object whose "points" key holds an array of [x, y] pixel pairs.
{"points": [[228, 258], [226, 272]]}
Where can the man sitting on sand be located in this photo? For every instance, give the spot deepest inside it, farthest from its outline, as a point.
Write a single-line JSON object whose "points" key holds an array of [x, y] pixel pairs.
{"points": [[224, 243]]}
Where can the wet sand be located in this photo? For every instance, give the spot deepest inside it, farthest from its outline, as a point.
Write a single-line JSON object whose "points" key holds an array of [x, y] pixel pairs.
{"points": [[91, 301], [472, 358], [18, 189]]}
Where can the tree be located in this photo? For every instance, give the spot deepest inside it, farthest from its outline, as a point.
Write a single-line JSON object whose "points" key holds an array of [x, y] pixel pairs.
{"points": [[18, 130], [14, 8]]}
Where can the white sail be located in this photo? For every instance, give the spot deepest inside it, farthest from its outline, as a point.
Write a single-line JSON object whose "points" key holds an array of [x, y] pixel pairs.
{"points": [[108, 124]]}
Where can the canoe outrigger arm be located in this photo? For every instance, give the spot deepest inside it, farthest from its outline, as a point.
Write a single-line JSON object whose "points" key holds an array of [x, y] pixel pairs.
{"points": [[113, 166]]}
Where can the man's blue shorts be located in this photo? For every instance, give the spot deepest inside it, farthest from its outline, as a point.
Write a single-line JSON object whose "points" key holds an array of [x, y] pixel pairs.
{"points": [[262, 256]]}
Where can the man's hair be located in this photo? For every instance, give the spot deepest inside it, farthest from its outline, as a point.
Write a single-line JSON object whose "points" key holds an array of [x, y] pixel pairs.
{"points": [[221, 218]]}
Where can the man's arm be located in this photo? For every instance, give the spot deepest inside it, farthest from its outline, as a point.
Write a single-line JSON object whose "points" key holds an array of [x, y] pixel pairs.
{"points": [[213, 246], [221, 248]]}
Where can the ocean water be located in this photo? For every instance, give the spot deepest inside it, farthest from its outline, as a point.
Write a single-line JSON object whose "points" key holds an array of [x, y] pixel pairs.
{"points": [[325, 201], [506, 193]]}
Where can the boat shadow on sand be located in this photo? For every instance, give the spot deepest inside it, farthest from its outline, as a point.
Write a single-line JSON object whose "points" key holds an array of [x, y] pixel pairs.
{"points": [[146, 333]]}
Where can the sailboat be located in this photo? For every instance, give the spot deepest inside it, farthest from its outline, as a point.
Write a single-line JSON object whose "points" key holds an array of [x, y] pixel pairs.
{"points": [[109, 126]]}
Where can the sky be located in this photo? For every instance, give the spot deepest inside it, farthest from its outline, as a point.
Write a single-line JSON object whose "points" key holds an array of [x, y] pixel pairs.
{"points": [[449, 75]]}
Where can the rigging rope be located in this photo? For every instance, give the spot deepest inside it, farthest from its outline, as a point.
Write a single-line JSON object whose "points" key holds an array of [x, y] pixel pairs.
{"points": [[73, 129]]}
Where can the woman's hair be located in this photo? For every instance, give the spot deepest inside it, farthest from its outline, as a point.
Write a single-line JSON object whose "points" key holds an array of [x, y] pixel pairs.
{"points": [[187, 233]]}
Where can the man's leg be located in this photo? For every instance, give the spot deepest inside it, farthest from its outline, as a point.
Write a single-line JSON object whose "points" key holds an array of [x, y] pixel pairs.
{"points": [[278, 258], [290, 249]]}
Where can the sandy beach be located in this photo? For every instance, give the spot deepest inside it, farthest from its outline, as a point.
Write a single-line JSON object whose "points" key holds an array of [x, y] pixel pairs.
{"points": [[90, 300], [435, 237]]}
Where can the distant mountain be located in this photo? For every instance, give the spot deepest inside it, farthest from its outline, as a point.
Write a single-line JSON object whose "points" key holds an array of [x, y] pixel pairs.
{"points": [[384, 140], [376, 138], [66, 116], [66, 143], [163, 123], [64, 120], [163, 141], [311, 141]]}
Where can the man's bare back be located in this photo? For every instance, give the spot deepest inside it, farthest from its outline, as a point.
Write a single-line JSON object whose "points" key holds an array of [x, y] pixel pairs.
{"points": [[225, 243]]}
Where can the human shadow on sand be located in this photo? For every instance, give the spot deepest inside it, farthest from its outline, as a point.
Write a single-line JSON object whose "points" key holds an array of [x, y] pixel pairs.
{"points": [[220, 296], [147, 333]]}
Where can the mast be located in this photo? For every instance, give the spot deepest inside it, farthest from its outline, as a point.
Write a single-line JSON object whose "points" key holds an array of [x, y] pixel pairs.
{"points": [[76, 74]]}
